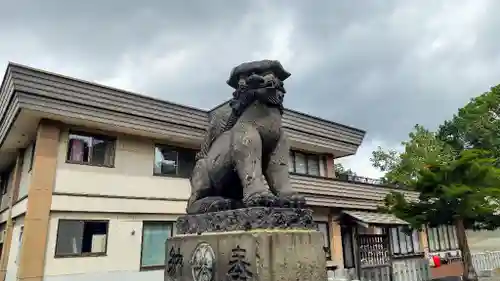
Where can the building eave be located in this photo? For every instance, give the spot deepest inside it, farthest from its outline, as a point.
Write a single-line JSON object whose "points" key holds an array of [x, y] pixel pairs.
{"points": [[315, 134], [49, 95]]}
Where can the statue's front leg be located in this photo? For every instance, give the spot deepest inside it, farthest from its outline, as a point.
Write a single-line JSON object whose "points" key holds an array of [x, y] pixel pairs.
{"points": [[278, 177], [247, 158], [203, 197]]}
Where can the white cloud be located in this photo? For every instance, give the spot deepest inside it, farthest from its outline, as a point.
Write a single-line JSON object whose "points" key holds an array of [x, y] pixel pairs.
{"points": [[360, 162], [279, 38], [383, 68]]}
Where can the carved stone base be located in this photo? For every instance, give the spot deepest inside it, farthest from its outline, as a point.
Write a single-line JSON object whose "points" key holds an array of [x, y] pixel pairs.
{"points": [[246, 219], [260, 255]]}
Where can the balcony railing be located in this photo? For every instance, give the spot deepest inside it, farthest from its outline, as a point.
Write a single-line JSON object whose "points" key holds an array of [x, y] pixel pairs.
{"points": [[366, 180]]}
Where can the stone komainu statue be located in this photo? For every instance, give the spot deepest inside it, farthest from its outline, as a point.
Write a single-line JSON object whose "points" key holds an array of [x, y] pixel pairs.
{"points": [[243, 161]]}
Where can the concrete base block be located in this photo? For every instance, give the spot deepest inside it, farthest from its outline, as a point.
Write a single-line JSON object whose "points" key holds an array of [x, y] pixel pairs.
{"points": [[260, 255]]}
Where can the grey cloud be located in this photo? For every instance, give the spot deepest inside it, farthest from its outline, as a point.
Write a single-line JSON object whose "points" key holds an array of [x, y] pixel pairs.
{"points": [[380, 66]]}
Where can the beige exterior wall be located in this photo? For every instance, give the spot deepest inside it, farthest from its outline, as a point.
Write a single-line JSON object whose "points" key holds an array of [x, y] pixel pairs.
{"points": [[13, 262], [34, 241], [123, 249], [320, 214], [20, 208], [131, 177], [126, 195]]}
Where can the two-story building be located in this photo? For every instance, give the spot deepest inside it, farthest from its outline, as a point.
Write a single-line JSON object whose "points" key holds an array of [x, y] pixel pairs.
{"points": [[92, 179]]}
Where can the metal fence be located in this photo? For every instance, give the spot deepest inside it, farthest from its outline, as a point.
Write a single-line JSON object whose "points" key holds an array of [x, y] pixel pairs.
{"points": [[402, 270], [413, 269], [486, 261]]}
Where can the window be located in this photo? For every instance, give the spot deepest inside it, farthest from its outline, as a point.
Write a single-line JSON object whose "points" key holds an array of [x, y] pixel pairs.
{"points": [[403, 243], [171, 161], [154, 235], [300, 163], [32, 156], [307, 164], [291, 162], [323, 228], [2, 239], [4, 181], [20, 243], [347, 247], [313, 165], [91, 150], [442, 238], [81, 238]]}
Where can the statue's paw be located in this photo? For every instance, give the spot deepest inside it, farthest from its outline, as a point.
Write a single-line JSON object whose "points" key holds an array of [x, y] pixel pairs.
{"points": [[210, 204], [261, 199], [292, 200]]}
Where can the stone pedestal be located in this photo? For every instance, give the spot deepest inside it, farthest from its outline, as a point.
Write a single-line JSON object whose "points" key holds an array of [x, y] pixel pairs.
{"points": [[276, 253]]}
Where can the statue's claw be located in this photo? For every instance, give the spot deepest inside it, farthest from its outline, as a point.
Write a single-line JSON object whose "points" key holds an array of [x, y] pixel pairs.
{"points": [[210, 204], [261, 199], [292, 200]]}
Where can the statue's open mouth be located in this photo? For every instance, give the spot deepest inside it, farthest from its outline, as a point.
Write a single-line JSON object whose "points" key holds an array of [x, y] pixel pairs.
{"points": [[267, 81]]}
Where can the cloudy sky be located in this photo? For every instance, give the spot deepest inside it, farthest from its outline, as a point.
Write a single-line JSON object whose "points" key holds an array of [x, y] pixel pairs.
{"points": [[381, 66]]}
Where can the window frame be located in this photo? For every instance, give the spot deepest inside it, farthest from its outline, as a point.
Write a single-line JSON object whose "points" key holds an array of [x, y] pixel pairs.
{"points": [[178, 150], [328, 237], [32, 156], [319, 157], [153, 222], [111, 139], [448, 240], [82, 255]]}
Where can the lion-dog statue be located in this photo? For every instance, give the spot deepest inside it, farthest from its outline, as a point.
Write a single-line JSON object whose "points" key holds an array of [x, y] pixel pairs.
{"points": [[243, 161]]}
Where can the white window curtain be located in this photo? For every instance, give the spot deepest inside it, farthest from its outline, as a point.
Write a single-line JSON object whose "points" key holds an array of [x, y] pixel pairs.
{"points": [[76, 150]]}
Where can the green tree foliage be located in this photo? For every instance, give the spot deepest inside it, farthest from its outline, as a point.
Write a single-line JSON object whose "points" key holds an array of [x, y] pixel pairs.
{"points": [[476, 125], [341, 170], [422, 149], [464, 192], [466, 188], [455, 170]]}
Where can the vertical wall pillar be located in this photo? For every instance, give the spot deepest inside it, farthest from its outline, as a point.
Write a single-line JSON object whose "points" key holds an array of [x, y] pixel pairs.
{"points": [[36, 221], [330, 169], [9, 225], [336, 241]]}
